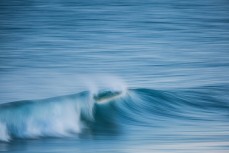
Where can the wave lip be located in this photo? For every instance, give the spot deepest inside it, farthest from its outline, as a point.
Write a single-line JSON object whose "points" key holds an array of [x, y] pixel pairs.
{"points": [[106, 96]]}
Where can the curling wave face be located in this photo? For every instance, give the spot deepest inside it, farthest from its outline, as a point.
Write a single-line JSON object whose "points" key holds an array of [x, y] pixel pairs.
{"points": [[74, 114]]}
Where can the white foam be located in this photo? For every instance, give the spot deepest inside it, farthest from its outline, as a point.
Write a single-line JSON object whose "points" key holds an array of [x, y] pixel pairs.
{"points": [[60, 120], [48, 118], [4, 133]]}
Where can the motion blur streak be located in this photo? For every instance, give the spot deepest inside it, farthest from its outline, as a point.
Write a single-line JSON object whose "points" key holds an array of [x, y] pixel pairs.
{"points": [[60, 60]]}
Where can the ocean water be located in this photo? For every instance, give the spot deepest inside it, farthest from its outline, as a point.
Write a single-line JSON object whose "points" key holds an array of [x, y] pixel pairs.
{"points": [[169, 60]]}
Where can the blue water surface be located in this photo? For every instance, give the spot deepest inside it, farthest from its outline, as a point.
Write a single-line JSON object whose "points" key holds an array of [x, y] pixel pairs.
{"points": [[171, 56]]}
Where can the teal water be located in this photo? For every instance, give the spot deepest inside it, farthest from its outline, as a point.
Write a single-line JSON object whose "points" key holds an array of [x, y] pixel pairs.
{"points": [[169, 57]]}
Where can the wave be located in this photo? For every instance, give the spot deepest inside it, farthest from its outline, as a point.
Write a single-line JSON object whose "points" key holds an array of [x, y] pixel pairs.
{"points": [[74, 114]]}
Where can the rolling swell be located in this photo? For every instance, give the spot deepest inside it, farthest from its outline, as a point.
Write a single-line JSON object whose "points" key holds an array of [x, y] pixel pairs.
{"points": [[74, 114]]}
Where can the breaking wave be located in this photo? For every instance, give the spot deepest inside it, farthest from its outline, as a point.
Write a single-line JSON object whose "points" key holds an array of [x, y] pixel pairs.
{"points": [[74, 114]]}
